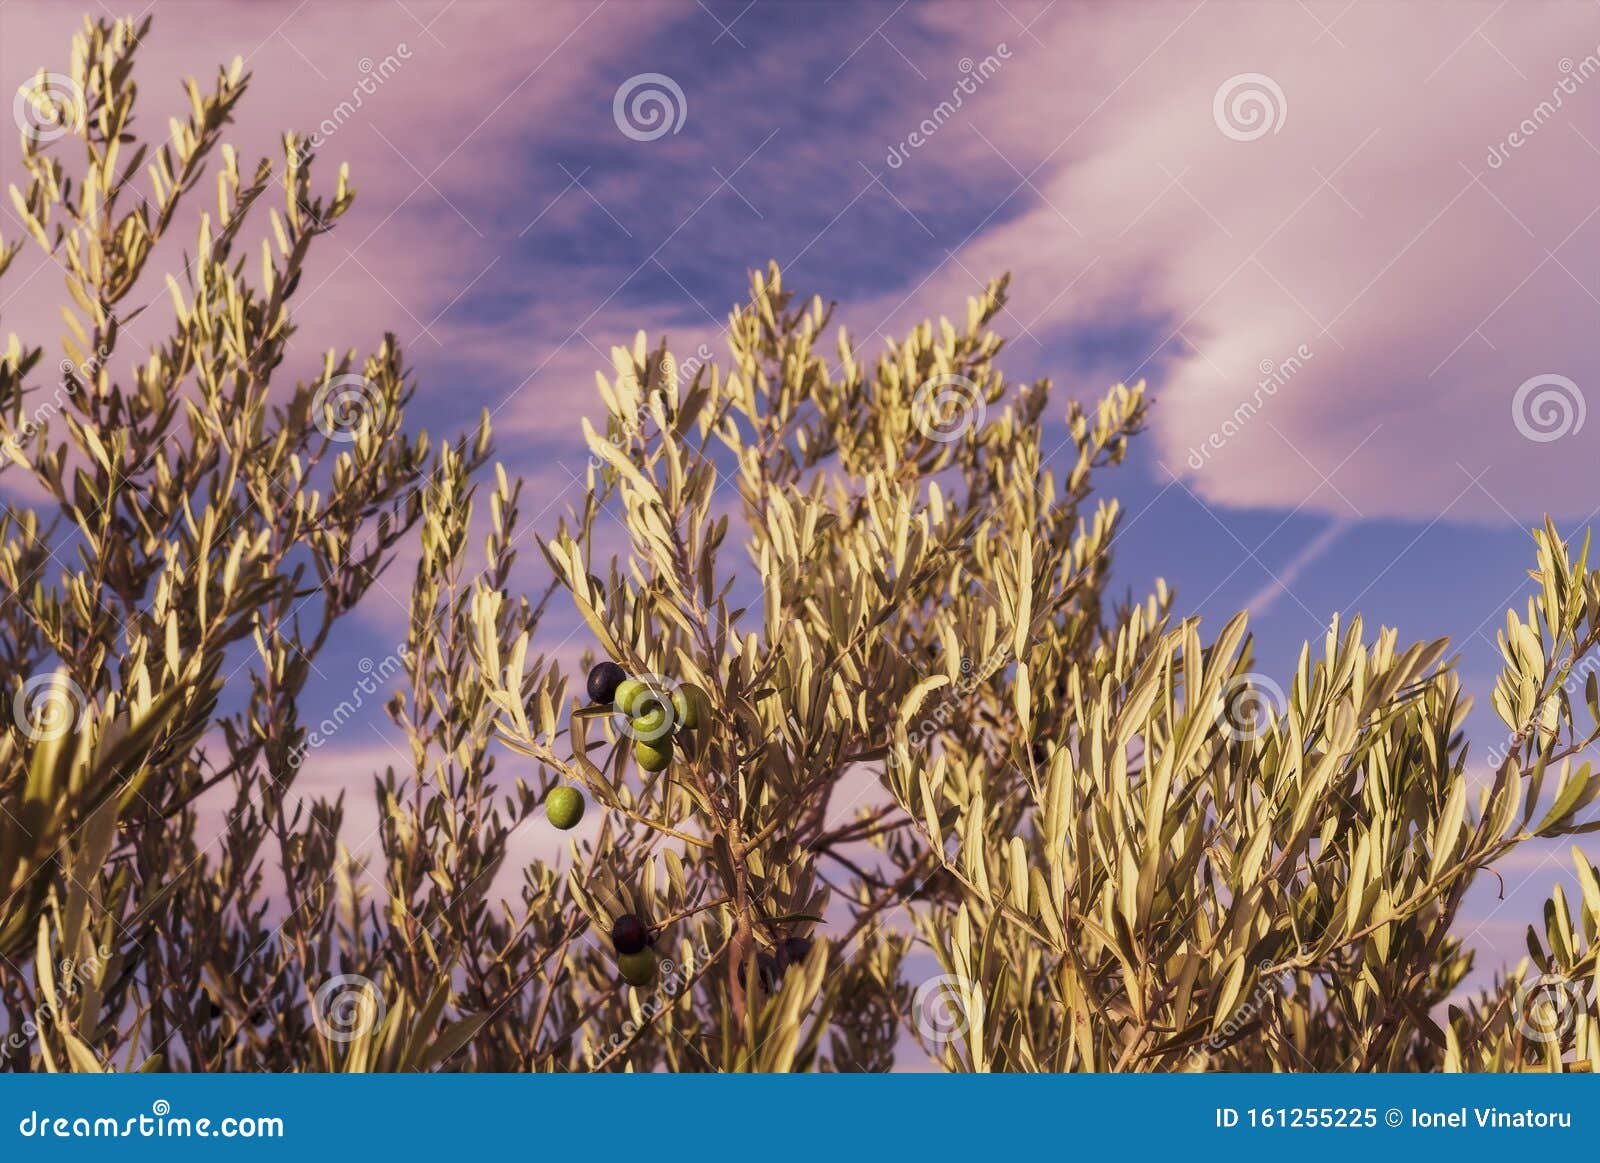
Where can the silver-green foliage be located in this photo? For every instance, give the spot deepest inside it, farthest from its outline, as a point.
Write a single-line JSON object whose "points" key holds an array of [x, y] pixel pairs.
{"points": [[929, 728]]}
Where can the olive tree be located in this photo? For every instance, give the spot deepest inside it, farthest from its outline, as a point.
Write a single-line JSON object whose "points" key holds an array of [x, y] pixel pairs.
{"points": [[856, 697]]}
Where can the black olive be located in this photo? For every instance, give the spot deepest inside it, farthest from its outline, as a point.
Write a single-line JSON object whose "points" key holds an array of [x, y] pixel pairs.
{"points": [[604, 680], [793, 951], [768, 971], [629, 934]]}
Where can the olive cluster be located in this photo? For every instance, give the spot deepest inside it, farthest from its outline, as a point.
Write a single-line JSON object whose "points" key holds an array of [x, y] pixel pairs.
{"points": [[655, 716], [655, 720], [772, 966], [631, 938]]}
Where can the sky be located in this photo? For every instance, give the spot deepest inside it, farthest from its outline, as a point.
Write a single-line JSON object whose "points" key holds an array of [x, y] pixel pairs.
{"points": [[1351, 247]]}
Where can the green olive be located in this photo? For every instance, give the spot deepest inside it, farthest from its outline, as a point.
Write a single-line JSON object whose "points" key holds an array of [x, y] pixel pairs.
{"points": [[638, 968], [653, 721], [688, 701], [653, 755], [563, 807], [628, 693]]}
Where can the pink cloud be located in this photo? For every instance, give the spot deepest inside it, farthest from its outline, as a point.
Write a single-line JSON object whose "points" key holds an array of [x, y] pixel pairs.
{"points": [[420, 100], [1367, 227]]}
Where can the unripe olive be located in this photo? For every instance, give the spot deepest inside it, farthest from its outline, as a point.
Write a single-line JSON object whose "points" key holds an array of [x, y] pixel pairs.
{"points": [[604, 680], [629, 934], [563, 807], [653, 755], [653, 720], [687, 701], [627, 695], [638, 968]]}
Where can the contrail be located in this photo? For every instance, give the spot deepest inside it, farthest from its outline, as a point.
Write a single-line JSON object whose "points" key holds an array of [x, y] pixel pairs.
{"points": [[1264, 598]]}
